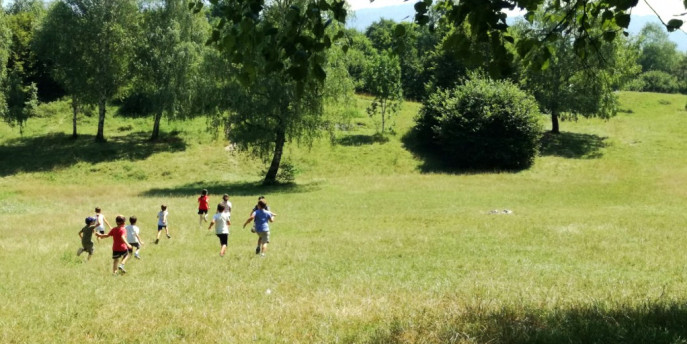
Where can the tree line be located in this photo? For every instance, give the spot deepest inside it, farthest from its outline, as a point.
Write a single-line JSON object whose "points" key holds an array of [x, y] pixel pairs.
{"points": [[267, 70]]}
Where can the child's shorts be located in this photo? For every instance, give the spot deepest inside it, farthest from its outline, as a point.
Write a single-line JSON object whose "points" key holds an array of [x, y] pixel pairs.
{"points": [[119, 254], [264, 237], [202, 211], [160, 227], [223, 238], [134, 244], [88, 248]]}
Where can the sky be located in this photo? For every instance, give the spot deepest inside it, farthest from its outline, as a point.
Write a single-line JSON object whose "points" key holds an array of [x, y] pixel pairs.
{"points": [[665, 8]]}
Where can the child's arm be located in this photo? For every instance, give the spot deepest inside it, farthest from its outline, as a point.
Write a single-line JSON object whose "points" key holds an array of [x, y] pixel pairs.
{"points": [[249, 220], [125, 241], [107, 223], [101, 235], [139, 239], [164, 219], [212, 223], [81, 233]]}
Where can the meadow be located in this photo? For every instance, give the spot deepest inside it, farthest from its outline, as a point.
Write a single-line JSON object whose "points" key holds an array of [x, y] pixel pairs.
{"points": [[372, 243]]}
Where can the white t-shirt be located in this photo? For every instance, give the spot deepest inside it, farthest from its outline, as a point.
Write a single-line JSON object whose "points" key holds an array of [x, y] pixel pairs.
{"points": [[100, 219], [227, 206], [221, 226], [131, 234], [162, 218]]}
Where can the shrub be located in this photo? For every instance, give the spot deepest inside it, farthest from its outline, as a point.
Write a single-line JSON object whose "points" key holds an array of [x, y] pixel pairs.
{"points": [[482, 124], [658, 81]]}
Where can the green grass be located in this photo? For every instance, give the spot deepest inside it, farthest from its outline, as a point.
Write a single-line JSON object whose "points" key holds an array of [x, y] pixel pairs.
{"points": [[366, 247]]}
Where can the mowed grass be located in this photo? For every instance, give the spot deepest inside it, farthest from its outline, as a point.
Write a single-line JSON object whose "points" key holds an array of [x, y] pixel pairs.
{"points": [[366, 247]]}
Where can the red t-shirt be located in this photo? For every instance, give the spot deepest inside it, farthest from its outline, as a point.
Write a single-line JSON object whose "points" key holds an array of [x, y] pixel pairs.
{"points": [[203, 202], [118, 244]]}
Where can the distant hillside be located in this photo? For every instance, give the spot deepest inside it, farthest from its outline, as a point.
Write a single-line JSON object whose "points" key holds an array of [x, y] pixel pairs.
{"points": [[405, 12]]}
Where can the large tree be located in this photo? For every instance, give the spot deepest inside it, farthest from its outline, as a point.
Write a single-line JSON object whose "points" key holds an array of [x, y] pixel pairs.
{"points": [[571, 85], [281, 51], [169, 56], [4, 53], [22, 19], [102, 45], [658, 52], [65, 55]]}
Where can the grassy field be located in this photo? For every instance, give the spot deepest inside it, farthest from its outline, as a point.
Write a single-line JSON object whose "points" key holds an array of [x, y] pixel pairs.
{"points": [[367, 248]]}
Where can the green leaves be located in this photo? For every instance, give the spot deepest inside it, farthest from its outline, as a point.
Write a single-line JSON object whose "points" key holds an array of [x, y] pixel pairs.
{"points": [[674, 24], [288, 40]]}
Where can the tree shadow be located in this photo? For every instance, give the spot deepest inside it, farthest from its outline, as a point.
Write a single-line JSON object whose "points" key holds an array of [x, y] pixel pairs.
{"points": [[359, 140], [59, 150], [233, 189], [648, 323], [572, 145]]}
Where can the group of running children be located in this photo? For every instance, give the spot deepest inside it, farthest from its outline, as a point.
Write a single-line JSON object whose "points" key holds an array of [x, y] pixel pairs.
{"points": [[126, 237]]}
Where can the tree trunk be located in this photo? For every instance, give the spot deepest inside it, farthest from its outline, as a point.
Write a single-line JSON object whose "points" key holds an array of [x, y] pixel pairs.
{"points": [[554, 123], [271, 177], [156, 126], [75, 111], [100, 137]]}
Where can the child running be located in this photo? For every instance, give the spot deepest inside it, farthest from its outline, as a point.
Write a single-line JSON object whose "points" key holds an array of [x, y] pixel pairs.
{"points": [[262, 218], [203, 205], [120, 247], [162, 223], [226, 203], [132, 236], [86, 235], [101, 221], [221, 221]]}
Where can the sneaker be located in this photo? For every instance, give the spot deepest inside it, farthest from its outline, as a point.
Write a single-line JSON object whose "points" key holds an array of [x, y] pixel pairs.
{"points": [[262, 255], [157, 241], [169, 236], [79, 251], [121, 268], [137, 256], [257, 250]]}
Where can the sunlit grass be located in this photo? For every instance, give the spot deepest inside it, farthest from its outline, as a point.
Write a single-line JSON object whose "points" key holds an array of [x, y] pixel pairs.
{"points": [[365, 249]]}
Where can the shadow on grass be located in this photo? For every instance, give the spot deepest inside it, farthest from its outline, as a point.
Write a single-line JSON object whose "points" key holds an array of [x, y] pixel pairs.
{"points": [[572, 145], [233, 189], [651, 323], [359, 140], [59, 150]]}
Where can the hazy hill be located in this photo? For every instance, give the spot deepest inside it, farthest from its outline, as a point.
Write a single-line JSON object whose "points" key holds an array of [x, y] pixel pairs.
{"points": [[405, 12]]}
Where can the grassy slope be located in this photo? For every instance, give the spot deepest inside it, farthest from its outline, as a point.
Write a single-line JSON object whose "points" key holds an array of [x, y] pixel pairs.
{"points": [[365, 247]]}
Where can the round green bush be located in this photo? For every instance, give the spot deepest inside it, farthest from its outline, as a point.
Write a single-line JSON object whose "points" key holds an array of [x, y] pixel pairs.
{"points": [[483, 124]]}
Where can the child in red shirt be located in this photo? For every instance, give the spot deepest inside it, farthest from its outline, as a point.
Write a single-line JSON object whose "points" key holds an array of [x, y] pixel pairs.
{"points": [[203, 205], [120, 247]]}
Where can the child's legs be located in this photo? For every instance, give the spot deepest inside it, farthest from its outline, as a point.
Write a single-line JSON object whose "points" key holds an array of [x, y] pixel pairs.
{"points": [[223, 239], [115, 263], [159, 230]]}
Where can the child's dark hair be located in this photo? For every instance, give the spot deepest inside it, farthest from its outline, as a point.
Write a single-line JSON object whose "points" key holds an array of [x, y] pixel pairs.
{"points": [[132, 220], [220, 207], [120, 219], [204, 192], [261, 198], [97, 209], [163, 207], [262, 204]]}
